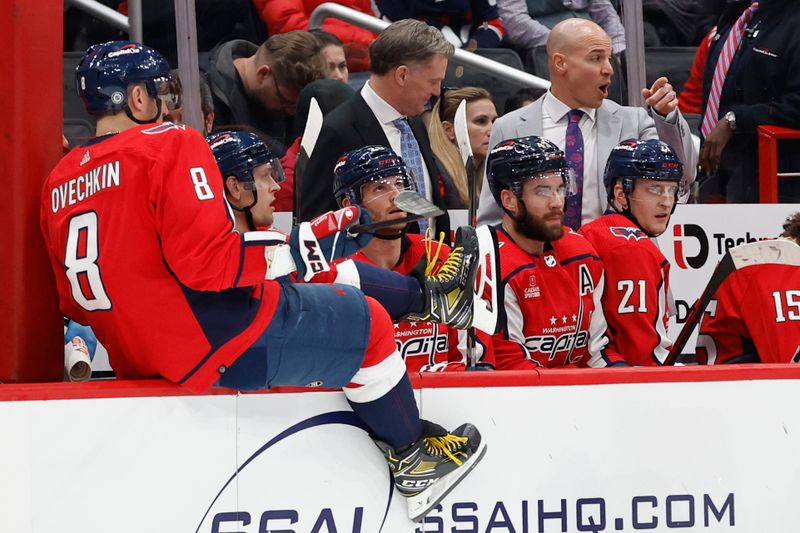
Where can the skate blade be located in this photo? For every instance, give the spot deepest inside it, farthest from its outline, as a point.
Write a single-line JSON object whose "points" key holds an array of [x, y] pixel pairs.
{"points": [[420, 505], [484, 290]]}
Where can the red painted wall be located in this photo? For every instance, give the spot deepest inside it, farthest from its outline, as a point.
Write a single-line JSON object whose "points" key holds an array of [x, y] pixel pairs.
{"points": [[30, 145]]}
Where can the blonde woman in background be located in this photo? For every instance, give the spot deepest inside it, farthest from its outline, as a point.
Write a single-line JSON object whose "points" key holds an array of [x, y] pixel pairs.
{"points": [[481, 114]]}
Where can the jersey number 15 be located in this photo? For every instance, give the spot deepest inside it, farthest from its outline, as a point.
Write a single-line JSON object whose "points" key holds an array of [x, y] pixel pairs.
{"points": [[787, 305]]}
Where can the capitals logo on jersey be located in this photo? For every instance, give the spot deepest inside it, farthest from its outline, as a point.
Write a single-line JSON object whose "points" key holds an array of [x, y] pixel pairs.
{"points": [[561, 339], [421, 343], [627, 233]]}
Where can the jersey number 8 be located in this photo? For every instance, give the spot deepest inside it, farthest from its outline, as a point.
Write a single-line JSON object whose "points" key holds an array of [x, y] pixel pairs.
{"points": [[81, 261]]}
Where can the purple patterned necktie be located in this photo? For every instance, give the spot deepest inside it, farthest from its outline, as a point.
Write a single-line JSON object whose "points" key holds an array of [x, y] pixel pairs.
{"points": [[573, 151]]}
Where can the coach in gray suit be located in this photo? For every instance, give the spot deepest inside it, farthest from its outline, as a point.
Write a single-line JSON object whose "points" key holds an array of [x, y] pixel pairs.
{"points": [[580, 72]]}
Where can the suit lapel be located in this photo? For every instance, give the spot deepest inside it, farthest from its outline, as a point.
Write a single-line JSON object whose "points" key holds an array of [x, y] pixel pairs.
{"points": [[530, 121], [366, 126], [609, 128]]}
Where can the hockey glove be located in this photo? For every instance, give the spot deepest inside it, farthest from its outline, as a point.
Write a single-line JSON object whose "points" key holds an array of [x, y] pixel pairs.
{"points": [[316, 243]]}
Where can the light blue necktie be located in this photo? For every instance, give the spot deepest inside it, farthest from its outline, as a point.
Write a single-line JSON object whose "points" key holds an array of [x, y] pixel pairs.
{"points": [[412, 156]]}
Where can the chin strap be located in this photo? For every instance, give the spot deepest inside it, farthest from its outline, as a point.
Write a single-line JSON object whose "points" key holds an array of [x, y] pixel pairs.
{"points": [[248, 215], [129, 113], [389, 237]]}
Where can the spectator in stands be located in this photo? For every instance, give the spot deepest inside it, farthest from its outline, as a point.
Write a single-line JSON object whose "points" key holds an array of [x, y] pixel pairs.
{"points": [[329, 95], [333, 52], [282, 16], [409, 59], [529, 23], [259, 85], [481, 114], [521, 98], [752, 78], [576, 114], [206, 105], [174, 101], [754, 316], [469, 24]]}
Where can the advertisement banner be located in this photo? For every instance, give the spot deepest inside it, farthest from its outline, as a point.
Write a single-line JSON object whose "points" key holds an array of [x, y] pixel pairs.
{"points": [[707, 456]]}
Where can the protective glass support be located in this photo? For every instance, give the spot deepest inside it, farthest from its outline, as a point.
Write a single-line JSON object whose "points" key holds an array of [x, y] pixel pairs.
{"points": [[679, 193], [276, 170], [567, 175]]}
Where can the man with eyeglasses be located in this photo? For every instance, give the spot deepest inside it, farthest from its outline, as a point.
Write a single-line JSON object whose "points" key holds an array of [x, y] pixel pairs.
{"points": [[550, 277], [643, 180], [259, 86]]}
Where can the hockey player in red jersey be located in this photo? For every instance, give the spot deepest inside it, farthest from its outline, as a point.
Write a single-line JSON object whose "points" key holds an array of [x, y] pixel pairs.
{"points": [[547, 278], [372, 177], [643, 180], [143, 250], [754, 316]]}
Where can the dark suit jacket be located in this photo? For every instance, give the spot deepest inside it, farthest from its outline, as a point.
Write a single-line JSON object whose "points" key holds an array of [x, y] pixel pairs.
{"points": [[353, 125]]}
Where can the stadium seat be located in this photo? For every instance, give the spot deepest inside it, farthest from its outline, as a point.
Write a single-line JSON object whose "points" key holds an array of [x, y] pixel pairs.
{"points": [[73, 106], [459, 75], [674, 62], [77, 131], [75, 116]]}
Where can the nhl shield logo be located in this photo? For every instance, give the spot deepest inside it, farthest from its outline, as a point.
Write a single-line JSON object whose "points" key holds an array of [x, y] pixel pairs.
{"points": [[550, 260]]}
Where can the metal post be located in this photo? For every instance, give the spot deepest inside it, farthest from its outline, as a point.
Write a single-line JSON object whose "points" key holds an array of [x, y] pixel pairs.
{"points": [[634, 50], [135, 20], [186, 27], [376, 25], [103, 12]]}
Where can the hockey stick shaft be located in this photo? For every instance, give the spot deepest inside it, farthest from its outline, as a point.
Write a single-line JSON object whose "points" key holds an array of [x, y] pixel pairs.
{"points": [[721, 272], [461, 131]]}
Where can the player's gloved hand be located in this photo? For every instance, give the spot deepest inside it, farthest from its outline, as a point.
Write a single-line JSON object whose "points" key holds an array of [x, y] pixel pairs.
{"points": [[84, 332], [314, 244]]}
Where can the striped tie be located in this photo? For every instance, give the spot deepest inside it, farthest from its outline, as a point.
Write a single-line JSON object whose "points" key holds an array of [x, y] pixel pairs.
{"points": [[711, 118]]}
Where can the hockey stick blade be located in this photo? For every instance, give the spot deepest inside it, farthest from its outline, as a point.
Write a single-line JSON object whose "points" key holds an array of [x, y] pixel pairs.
{"points": [[371, 227], [407, 201], [411, 202], [485, 288]]}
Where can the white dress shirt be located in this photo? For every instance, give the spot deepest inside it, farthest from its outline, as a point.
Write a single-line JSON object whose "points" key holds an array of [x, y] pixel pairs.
{"points": [[386, 115], [554, 129]]}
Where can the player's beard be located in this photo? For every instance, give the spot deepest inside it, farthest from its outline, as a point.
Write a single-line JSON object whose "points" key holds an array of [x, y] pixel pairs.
{"points": [[534, 227]]}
